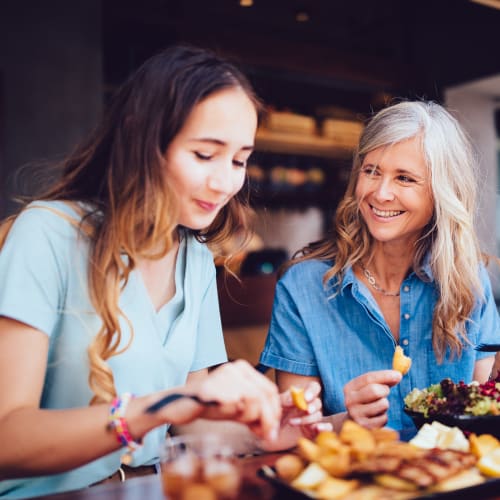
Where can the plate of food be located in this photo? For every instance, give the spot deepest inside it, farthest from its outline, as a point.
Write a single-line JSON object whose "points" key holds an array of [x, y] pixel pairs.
{"points": [[471, 407], [361, 464]]}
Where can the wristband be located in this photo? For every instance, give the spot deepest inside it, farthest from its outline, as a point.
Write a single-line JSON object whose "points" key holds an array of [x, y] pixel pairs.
{"points": [[118, 423]]}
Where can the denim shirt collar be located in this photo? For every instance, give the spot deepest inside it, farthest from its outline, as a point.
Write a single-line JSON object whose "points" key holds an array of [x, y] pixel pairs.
{"points": [[350, 277], [426, 267]]}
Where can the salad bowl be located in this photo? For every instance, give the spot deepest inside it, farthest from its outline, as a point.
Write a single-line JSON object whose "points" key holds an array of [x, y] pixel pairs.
{"points": [[471, 407], [478, 424]]}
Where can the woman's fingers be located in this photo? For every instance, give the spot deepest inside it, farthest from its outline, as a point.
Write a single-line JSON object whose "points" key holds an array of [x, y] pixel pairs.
{"points": [[310, 422], [384, 377], [366, 397], [261, 400], [311, 394], [369, 410], [372, 422], [244, 395], [370, 386]]}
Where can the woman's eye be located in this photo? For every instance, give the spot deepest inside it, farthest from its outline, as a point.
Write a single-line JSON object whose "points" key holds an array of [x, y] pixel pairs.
{"points": [[406, 179], [370, 170], [240, 163], [202, 156]]}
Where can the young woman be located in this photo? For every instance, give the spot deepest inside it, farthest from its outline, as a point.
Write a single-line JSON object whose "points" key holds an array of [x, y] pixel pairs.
{"points": [[403, 267], [109, 289]]}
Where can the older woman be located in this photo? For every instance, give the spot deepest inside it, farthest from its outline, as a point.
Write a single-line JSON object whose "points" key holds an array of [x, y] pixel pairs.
{"points": [[402, 267]]}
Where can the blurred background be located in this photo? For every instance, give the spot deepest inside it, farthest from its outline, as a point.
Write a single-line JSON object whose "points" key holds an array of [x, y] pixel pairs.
{"points": [[321, 66]]}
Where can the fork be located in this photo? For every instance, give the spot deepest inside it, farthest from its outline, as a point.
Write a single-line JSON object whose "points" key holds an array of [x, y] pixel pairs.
{"points": [[487, 347], [170, 398]]}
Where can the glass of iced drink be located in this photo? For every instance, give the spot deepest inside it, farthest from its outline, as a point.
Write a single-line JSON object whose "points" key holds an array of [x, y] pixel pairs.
{"points": [[199, 467]]}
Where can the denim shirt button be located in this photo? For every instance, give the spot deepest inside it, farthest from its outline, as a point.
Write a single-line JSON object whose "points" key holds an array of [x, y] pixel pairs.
{"points": [[406, 288], [406, 316], [405, 342]]}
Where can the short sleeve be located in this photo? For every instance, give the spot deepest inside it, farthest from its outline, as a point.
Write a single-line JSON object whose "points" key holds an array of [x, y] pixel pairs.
{"points": [[487, 320], [210, 348], [32, 284], [288, 347]]}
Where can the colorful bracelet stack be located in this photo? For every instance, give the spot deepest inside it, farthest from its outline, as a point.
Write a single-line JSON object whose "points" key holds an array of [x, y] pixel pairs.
{"points": [[118, 424]]}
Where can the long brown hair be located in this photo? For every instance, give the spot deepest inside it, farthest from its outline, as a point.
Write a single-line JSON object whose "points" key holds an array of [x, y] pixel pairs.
{"points": [[450, 238], [118, 174]]}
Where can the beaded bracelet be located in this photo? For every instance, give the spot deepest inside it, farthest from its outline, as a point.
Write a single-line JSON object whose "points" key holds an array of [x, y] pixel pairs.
{"points": [[118, 424]]}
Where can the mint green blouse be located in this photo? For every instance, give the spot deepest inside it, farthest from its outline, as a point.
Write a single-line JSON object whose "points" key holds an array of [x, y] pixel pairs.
{"points": [[43, 272]]}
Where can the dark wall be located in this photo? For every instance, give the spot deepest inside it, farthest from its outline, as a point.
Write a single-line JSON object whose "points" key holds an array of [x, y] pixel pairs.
{"points": [[50, 82]]}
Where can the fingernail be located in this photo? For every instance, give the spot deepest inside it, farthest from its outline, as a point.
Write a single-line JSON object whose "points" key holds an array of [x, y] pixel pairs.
{"points": [[295, 421], [308, 395], [325, 426], [273, 434]]}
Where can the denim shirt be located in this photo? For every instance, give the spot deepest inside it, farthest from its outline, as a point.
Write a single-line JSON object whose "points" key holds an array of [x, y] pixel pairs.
{"points": [[339, 337]]}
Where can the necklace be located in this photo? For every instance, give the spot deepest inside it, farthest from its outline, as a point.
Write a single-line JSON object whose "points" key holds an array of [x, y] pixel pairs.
{"points": [[373, 283]]}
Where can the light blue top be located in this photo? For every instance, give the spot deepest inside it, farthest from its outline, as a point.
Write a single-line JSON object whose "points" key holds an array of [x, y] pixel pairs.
{"points": [[339, 338], [43, 276]]}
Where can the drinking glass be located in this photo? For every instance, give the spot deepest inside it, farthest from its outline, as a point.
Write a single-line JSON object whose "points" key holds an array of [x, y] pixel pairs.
{"points": [[201, 467]]}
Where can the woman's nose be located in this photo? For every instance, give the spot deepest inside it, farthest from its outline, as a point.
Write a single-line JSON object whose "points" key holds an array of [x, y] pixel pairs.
{"points": [[220, 178], [385, 190]]}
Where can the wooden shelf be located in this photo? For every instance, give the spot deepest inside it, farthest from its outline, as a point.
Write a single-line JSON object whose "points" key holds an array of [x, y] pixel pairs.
{"points": [[298, 199], [300, 144]]}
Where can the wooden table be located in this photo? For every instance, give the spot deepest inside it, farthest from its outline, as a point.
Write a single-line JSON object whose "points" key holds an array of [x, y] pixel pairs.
{"points": [[149, 487]]}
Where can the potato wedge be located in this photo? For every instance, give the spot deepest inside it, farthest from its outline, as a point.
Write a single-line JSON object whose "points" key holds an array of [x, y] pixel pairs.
{"points": [[483, 444], [289, 466], [308, 449], [400, 361], [310, 478], [385, 434], [359, 438], [298, 398], [333, 488], [338, 463]]}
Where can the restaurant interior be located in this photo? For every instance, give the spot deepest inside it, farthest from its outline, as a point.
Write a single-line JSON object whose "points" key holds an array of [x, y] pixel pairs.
{"points": [[321, 67]]}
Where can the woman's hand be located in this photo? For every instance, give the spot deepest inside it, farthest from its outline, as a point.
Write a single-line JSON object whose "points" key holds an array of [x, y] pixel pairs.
{"points": [[366, 397], [244, 395], [296, 423], [496, 367], [309, 421]]}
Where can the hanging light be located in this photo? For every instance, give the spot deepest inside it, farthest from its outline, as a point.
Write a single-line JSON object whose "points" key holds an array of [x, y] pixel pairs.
{"points": [[302, 16], [495, 4]]}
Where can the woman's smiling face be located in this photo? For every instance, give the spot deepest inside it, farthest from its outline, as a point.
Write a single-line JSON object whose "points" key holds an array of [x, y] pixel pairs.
{"points": [[394, 192], [206, 161]]}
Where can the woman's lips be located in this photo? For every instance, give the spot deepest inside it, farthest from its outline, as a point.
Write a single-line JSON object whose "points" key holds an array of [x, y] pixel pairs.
{"points": [[385, 214], [207, 206]]}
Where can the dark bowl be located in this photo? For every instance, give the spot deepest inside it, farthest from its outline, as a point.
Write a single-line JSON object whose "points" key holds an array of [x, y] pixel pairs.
{"points": [[484, 424]]}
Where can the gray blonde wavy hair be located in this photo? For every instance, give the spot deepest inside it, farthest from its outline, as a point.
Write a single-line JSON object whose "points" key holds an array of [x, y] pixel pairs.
{"points": [[450, 238]]}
